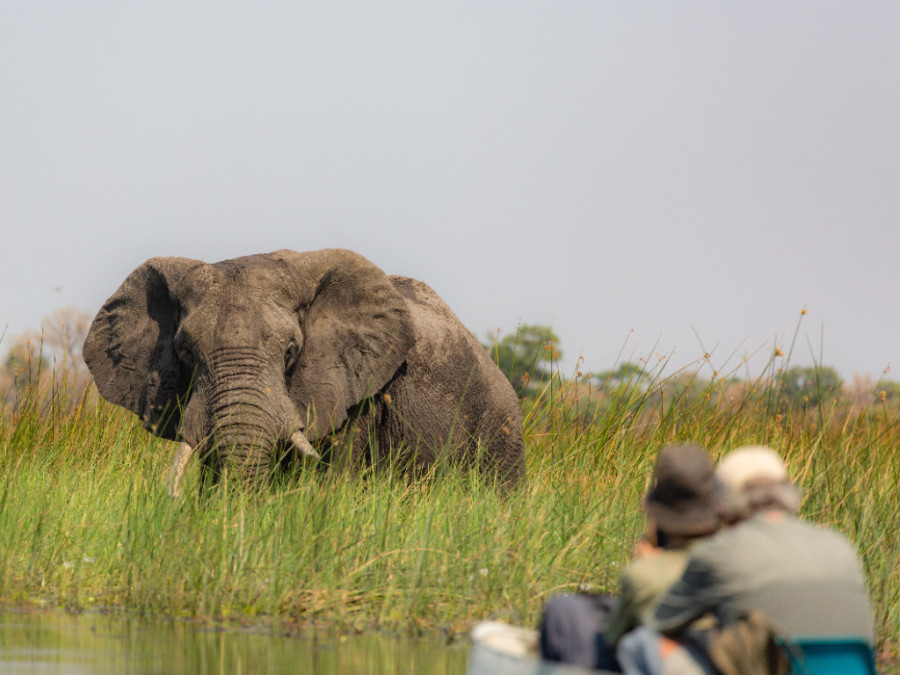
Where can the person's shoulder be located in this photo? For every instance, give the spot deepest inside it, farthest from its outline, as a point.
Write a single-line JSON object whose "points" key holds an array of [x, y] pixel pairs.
{"points": [[722, 541], [649, 570], [786, 522], [824, 535], [726, 545], [769, 528]]}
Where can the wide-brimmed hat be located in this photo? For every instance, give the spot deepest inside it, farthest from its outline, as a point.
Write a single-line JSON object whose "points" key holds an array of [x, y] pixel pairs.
{"points": [[682, 499]]}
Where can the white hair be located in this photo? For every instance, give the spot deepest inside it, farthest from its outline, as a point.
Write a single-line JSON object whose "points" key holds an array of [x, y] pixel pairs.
{"points": [[752, 479], [755, 496]]}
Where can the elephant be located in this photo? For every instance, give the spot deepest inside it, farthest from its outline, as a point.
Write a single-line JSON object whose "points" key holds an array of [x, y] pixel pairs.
{"points": [[320, 354]]}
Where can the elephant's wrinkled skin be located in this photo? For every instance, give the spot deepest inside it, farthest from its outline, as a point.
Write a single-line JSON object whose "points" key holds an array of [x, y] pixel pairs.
{"points": [[241, 359]]}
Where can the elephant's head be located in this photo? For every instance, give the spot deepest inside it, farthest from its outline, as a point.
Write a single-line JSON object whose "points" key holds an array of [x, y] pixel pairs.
{"points": [[245, 355]]}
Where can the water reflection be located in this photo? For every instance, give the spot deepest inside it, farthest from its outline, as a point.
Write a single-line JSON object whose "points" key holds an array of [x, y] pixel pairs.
{"points": [[50, 644]]}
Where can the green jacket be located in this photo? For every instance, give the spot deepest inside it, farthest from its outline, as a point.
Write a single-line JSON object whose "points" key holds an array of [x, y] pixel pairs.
{"points": [[806, 579], [641, 584]]}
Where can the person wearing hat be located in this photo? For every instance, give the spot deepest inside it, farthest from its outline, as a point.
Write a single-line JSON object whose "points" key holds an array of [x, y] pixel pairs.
{"points": [[680, 510], [805, 578]]}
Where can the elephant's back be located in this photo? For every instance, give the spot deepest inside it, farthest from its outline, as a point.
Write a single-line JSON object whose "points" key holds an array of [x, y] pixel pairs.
{"points": [[440, 334], [420, 295], [458, 374]]}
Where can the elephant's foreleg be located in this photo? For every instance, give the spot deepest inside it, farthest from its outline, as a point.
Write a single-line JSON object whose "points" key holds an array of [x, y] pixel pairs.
{"points": [[176, 471]]}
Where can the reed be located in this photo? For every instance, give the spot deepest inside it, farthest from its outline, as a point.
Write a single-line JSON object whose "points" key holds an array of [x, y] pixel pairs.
{"points": [[85, 521]]}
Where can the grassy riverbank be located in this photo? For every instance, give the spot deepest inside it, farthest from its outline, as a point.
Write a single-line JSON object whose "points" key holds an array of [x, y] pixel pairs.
{"points": [[85, 521]]}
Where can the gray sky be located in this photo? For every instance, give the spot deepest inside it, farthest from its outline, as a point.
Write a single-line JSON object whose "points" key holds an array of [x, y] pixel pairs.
{"points": [[635, 174]]}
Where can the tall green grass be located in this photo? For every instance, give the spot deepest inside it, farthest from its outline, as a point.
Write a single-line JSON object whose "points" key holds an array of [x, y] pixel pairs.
{"points": [[85, 520]]}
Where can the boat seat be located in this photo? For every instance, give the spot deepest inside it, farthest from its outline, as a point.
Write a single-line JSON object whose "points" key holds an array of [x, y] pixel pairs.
{"points": [[827, 655]]}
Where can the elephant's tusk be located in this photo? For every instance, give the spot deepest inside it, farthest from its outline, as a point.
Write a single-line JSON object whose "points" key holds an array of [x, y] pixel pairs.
{"points": [[304, 446], [176, 471]]}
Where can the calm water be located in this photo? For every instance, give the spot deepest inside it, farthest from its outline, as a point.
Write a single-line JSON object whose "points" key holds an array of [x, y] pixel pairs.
{"points": [[97, 644]]}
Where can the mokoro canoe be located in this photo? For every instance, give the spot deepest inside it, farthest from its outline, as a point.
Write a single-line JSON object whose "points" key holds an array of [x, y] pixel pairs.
{"points": [[500, 649]]}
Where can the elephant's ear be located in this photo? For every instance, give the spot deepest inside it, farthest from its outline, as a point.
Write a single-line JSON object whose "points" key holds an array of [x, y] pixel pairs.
{"points": [[130, 348], [356, 330]]}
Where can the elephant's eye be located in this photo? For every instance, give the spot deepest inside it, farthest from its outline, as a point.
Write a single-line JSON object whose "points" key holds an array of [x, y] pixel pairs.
{"points": [[291, 354], [184, 352]]}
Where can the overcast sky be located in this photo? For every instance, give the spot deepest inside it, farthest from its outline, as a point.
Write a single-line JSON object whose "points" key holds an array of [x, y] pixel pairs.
{"points": [[645, 177]]}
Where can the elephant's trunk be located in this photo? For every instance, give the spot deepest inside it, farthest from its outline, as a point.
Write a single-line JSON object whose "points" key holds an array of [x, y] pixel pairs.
{"points": [[240, 414], [244, 418], [243, 440]]}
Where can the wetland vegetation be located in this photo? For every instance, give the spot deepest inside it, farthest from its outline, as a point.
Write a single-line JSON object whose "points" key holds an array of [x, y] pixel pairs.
{"points": [[85, 521]]}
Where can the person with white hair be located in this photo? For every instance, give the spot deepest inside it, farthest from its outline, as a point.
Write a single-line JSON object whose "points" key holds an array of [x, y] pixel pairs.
{"points": [[807, 579]]}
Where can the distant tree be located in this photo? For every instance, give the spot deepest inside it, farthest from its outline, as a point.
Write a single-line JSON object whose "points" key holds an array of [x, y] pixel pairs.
{"points": [[52, 355], [633, 386], [887, 391], [527, 356], [627, 373], [22, 366], [24, 352], [802, 386], [623, 388], [64, 333], [685, 387], [860, 390]]}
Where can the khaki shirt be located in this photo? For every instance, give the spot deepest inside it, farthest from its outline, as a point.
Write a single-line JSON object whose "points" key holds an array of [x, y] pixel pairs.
{"points": [[641, 584], [806, 579]]}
